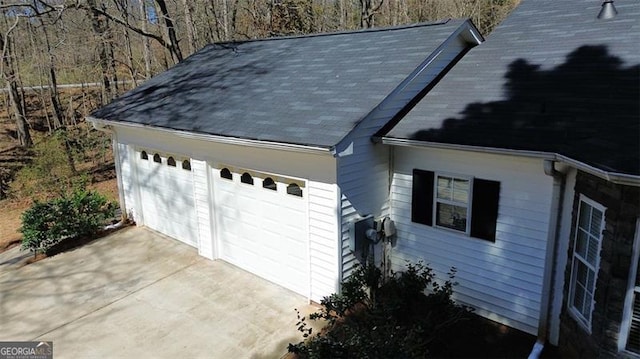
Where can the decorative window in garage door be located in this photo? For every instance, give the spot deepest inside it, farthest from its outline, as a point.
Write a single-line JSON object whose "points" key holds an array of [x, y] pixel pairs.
{"points": [[246, 178], [170, 159], [294, 190], [270, 182], [226, 174], [186, 165]]}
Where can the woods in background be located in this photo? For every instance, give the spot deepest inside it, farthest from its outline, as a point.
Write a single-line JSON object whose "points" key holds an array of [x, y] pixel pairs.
{"points": [[119, 43]]}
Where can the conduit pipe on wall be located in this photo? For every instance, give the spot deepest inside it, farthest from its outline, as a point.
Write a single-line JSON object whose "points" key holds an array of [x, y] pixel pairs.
{"points": [[550, 257]]}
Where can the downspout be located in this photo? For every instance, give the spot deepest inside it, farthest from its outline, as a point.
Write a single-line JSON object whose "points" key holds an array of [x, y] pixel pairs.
{"points": [[387, 243], [550, 257], [116, 156]]}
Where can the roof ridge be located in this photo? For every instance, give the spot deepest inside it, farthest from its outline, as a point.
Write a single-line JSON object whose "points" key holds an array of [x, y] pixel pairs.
{"points": [[343, 32]]}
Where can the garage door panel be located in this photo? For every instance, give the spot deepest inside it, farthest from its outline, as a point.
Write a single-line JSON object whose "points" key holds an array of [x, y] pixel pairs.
{"points": [[167, 199], [262, 230]]}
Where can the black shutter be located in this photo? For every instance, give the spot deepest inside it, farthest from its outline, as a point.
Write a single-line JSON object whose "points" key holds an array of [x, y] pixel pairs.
{"points": [[422, 197], [484, 209]]}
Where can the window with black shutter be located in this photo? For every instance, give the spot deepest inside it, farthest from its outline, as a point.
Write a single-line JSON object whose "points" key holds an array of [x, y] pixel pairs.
{"points": [[462, 204]]}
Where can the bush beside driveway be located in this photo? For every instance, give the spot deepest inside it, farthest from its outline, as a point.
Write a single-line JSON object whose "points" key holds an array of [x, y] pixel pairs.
{"points": [[136, 293]]}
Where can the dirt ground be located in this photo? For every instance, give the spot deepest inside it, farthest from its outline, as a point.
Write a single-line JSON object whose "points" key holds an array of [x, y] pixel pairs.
{"points": [[11, 211], [10, 222], [76, 104]]}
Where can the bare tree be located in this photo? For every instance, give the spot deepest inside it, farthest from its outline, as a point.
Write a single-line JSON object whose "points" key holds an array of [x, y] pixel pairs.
{"points": [[146, 46], [367, 12], [172, 39], [189, 26], [10, 76], [54, 97], [100, 29]]}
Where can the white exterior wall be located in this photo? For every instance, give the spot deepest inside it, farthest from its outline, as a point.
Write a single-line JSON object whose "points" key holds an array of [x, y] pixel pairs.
{"points": [[562, 248], [502, 280], [319, 170], [125, 156], [363, 167], [202, 199]]}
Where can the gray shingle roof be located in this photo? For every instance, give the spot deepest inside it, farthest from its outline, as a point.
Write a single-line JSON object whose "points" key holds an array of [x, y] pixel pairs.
{"points": [[309, 90], [550, 78]]}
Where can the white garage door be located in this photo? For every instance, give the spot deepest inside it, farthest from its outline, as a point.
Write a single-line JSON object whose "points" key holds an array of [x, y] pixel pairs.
{"points": [[166, 191], [261, 226]]}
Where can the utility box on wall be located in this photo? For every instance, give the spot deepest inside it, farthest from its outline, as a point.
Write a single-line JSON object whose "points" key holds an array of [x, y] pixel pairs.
{"points": [[358, 240]]}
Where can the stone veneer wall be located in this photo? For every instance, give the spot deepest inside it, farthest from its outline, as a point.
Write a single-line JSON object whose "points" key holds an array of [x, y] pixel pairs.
{"points": [[623, 209]]}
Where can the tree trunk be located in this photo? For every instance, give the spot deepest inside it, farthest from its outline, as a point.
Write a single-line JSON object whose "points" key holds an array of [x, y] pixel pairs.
{"points": [[146, 46], [58, 116], [225, 19], [189, 25], [174, 47], [367, 12], [22, 128], [15, 100], [99, 25]]}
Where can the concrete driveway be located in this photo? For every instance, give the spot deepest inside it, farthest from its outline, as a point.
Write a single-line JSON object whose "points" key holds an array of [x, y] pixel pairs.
{"points": [[138, 294]]}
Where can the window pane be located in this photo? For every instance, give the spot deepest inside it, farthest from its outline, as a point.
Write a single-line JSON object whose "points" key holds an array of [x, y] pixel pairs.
{"points": [[444, 187], [586, 312], [268, 183], [593, 251], [596, 222], [246, 178], [461, 190], [454, 217], [590, 281], [186, 165], [225, 173], [581, 243], [294, 189], [578, 298], [581, 273], [633, 341], [585, 214]]}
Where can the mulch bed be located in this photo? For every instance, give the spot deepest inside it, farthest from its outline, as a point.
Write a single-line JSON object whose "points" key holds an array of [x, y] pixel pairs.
{"points": [[72, 243]]}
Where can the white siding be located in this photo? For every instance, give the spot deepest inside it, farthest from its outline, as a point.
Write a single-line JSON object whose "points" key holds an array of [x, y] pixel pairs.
{"points": [[502, 280], [317, 169], [323, 239], [202, 195], [363, 168], [364, 184], [128, 180]]}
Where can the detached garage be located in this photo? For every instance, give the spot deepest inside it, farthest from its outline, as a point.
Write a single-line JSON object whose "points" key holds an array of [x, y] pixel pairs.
{"points": [[259, 153]]}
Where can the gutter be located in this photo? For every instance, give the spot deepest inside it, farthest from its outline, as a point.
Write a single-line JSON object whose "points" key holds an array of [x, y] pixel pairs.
{"points": [[614, 177], [107, 126]]}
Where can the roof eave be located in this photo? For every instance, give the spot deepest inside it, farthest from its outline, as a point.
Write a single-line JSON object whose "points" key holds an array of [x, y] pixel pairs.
{"points": [[614, 177], [106, 125]]}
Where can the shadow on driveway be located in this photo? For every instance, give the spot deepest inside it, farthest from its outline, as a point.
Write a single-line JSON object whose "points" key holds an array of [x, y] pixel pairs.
{"points": [[137, 293]]}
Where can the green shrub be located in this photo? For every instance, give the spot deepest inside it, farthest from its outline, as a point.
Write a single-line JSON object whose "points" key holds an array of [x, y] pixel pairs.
{"points": [[49, 172], [47, 223], [376, 318], [58, 166]]}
